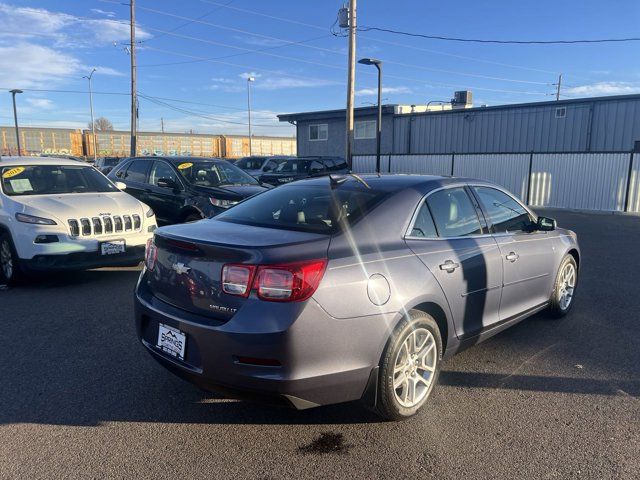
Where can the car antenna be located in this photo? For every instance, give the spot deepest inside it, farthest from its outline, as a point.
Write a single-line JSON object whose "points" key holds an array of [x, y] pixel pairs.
{"points": [[337, 179], [360, 179]]}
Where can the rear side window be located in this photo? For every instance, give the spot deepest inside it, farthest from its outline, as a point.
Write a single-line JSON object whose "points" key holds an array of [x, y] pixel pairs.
{"points": [[311, 209], [137, 171], [423, 226], [453, 213], [505, 213]]}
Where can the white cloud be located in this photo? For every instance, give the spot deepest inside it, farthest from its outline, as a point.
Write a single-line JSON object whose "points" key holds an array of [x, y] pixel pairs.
{"points": [[603, 88], [97, 11], [385, 90], [26, 65], [260, 42], [67, 30], [40, 103], [112, 72], [37, 46], [267, 82]]}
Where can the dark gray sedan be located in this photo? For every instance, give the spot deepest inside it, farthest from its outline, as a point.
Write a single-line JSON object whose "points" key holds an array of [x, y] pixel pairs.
{"points": [[344, 287]]}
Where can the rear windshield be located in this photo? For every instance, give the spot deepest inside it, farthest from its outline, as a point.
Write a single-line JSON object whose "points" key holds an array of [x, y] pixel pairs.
{"points": [[53, 180], [317, 208], [214, 174]]}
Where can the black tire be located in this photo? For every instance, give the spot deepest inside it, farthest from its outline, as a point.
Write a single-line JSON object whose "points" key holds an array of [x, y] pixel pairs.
{"points": [[556, 307], [387, 405], [8, 276], [192, 217]]}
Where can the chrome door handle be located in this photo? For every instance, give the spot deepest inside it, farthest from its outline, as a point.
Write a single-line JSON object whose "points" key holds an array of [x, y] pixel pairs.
{"points": [[512, 257], [449, 266]]}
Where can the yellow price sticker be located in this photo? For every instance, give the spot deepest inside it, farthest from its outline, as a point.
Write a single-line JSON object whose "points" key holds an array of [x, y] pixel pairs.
{"points": [[13, 172], [184, 166]]}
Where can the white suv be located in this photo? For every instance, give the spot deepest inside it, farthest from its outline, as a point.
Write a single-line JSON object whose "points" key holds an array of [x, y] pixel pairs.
{"points": [[61, 214]]}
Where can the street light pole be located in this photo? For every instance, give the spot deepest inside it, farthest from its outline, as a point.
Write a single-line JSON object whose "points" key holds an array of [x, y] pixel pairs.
{"points": [[15, 118], [249, 80], [378, 65], [93, 124]]}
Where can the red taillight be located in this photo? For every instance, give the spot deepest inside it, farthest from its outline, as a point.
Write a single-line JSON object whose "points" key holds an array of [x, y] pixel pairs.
{"points": [[236, 279], [291, 282], [150, 255]]}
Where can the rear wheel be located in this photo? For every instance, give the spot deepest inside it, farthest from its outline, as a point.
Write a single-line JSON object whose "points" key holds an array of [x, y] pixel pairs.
{"points": [[409, 367], [9, 268], [565, 287]]}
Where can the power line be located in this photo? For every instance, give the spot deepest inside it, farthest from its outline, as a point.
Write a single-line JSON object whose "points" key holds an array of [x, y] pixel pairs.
{"points": [[163, 13], [501, 42], [202, 115], [415, 80], [182, 25], [235, 54], [413, 47]]}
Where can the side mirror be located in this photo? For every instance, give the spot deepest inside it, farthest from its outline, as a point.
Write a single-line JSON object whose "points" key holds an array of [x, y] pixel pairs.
{"points": [[267, 168], [546, 224], [167, 183], [121, 185]]}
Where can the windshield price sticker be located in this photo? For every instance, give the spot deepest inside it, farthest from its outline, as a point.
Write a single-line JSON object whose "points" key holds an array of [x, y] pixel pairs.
{"points": [[13, 172], [21, 185], [184, 166]]}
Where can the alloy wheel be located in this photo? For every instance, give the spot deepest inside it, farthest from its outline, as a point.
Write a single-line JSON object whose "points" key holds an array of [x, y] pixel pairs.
{"points": [[414, 367], [566, 285]]}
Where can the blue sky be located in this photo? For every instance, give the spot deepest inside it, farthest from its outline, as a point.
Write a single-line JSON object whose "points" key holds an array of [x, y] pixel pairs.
{"points": [[196, 74]]}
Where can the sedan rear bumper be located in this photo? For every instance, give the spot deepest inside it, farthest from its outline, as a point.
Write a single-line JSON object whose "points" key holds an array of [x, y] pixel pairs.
{"points": [[215, 356]]}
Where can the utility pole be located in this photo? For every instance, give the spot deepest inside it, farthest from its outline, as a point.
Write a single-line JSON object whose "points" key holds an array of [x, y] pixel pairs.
{"points": [[134, 99], [162, 124], [15, 119], [351, 80], [249, 80], [559, 85], [93, 123]]}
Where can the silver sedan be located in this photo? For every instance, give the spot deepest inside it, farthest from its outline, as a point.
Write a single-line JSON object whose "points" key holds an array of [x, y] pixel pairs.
{"points": [[345, 287]]}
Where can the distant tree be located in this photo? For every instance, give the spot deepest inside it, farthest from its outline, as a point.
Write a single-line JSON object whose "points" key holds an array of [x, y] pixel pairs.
{"points": [[102, 124]]}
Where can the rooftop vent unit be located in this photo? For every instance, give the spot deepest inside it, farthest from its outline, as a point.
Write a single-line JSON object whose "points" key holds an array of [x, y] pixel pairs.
{"points": [[462, 99]]}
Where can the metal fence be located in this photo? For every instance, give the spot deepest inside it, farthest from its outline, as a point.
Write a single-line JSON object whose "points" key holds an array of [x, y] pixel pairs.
{"points": [[583, 181]]}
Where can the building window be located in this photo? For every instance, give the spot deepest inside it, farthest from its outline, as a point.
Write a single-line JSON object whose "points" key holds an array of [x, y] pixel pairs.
{"points": [[318, 132], [365, 129], [561, 112]]}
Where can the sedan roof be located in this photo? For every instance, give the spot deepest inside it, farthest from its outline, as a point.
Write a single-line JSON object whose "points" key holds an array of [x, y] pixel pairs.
{"points": [[11, 161], [390, 182]]}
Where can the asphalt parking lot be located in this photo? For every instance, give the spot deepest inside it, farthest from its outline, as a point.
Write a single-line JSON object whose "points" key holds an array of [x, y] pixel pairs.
{"points": [[545, 399]]}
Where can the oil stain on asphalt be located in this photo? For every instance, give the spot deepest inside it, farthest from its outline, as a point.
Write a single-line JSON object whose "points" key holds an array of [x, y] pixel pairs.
{"points": [[327, 442]]}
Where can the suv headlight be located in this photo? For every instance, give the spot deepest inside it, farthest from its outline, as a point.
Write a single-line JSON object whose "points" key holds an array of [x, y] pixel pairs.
{"points": [[24, 218], [222, 203], [150, 213]]}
